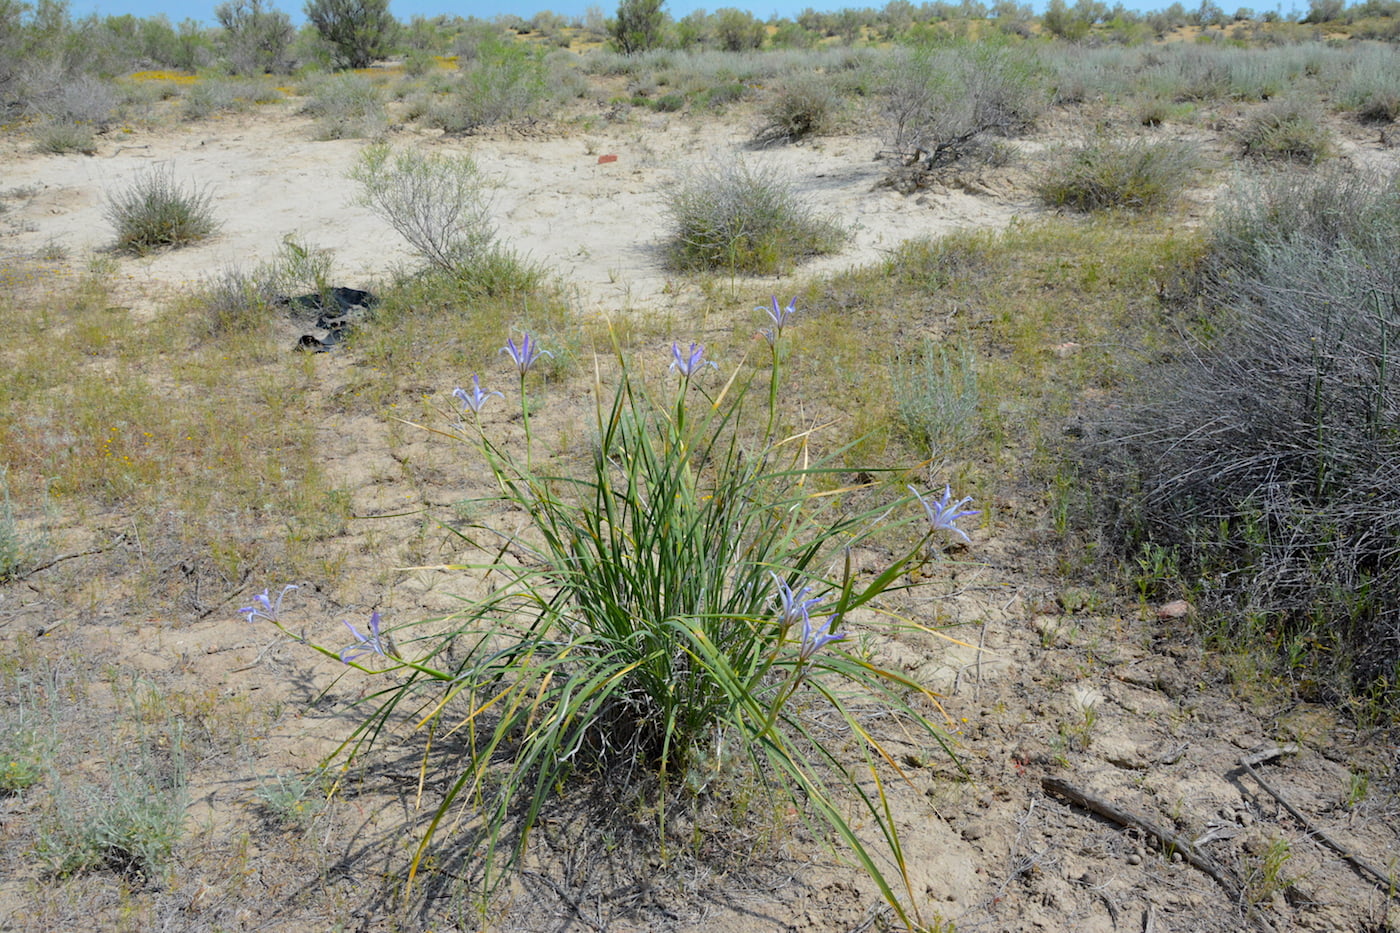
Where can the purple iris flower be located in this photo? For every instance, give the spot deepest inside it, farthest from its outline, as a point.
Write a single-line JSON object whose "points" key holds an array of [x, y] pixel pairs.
{"points": [[687, 363], [792, 607], [476, 397], [525, 355], [264, 608], [364, 644], [779, 316], [943, 513], [816, 638]]}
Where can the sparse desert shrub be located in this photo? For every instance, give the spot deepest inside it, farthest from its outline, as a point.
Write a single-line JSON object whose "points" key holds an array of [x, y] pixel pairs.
{"points": [[156, 212], [936, 396], [937, 102], [439, 204], [1266, 456], [670, 624], [347, 106], [804, 106], [130, 826], [1103, 173], [1335, 209], [505, 82], [257, 38], [238, 301], [722, 95], [1372, 90], [359, 30], [217, 95], [19, 549], [1287, 131], [60, 136], [83, 99], [740, 217]]}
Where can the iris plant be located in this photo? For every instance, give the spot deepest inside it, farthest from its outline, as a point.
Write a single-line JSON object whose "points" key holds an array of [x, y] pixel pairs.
{"points": [[524, 355], [943, 513], [476, 398], [779, 315], [365, 644], [264, 608], [688, 363]]}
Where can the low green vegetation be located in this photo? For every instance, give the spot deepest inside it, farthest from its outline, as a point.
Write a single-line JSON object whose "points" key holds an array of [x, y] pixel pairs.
{"points": [[680, 582], [1261, 456], [1104, 174], [156, 211], [739, 216]]}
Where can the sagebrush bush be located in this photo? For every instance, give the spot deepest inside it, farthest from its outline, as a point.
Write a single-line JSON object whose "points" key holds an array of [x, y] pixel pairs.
{"points": [[216, 95], [1334, 209], [1372, 90], [803, 106], [1105, 173], [741, 217], [439, 204], [347, 106], [1285, 130], [83, 99], [938, 102], [60, 136], [502, 82], [157, 212], [936, 397], [1266, 456]]}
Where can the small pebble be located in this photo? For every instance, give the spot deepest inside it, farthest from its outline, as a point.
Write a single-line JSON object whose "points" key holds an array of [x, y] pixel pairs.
{"points": [[1176, 858], [1135, 859]]}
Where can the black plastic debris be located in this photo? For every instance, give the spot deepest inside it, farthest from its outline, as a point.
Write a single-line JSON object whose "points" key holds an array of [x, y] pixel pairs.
{"points": [[334, 312]]}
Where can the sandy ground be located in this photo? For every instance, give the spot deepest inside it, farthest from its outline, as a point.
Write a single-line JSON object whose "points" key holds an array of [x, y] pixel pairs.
{"points": [[596, 224], [992, 849]]}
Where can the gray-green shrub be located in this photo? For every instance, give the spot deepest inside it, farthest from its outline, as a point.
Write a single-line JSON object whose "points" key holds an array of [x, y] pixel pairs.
{"points": [[503, 82], [803, 106], [347, 106], [157, 212], [936, 396], [1267, 456], [1285, 131], [59, 136], [937, 102], [438, 203], [740, 217], [1104, 173], [217, 95]]}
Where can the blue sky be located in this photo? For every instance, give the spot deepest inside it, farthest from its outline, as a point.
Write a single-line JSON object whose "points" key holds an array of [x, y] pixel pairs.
{"points": [[404, 9]]}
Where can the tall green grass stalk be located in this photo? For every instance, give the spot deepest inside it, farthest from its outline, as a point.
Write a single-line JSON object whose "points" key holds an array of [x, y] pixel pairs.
{"points": [[660, 604]]}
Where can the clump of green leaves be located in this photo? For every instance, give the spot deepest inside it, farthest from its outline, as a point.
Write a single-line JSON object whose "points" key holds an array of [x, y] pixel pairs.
{"points": [[731, 215], [1103, 173], [684, 594], [130, 826], [157, 212], [1285, 131]]}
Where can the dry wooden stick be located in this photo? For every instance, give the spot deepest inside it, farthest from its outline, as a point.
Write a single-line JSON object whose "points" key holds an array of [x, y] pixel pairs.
{"points": [[1166, 841], [1385, 881]]}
